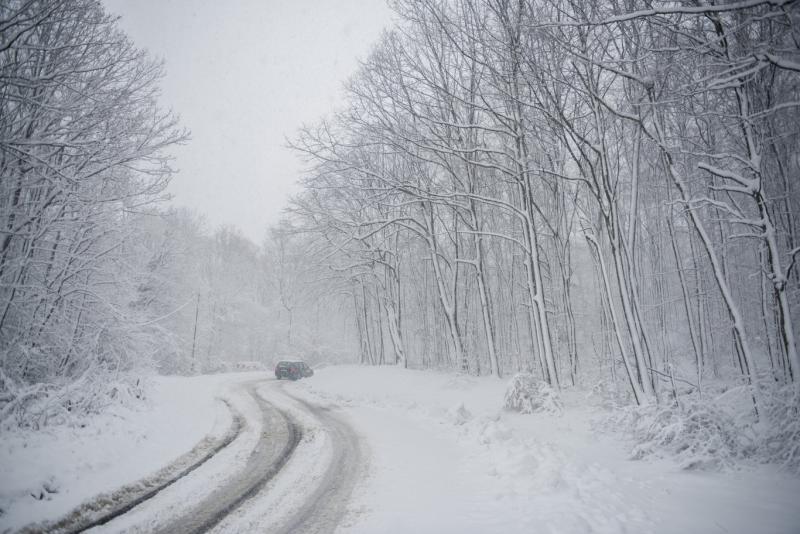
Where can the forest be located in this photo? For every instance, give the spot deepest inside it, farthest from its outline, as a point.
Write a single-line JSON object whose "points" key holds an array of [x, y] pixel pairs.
{"points": [[600, 195], [101, 283]]}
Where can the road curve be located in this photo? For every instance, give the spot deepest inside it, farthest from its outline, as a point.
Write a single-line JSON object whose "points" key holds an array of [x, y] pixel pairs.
{"points": [[276, 470], [323, 510], [109, 506], [293, 430], [278, 440]]}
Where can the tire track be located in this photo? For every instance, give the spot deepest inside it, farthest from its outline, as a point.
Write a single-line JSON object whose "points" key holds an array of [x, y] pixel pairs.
{"points": [[107, 507], [279, 438], [325, 508], [321, 511]]}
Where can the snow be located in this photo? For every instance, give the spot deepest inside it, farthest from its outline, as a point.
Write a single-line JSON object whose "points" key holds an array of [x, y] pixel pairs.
{"points": [[443, 456], [446, 457], [179, 498], [285, 494], [118, 447]]}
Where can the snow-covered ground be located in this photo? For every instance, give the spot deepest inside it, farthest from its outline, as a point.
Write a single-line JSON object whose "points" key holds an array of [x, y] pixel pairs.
{"points": [[68, 466], [445, 457], [442, 456]]}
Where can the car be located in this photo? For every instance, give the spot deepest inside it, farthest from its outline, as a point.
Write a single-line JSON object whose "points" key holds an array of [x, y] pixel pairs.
{"points": [[292, 370]]}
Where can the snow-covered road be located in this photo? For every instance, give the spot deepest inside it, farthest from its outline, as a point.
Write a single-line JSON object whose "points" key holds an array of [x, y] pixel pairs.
{"points": [[296, 476], [288, 466], [311, 492], [277, 441]]}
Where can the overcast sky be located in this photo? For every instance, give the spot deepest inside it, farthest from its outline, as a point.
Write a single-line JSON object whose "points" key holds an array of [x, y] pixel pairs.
{"points": [[244, 75]]}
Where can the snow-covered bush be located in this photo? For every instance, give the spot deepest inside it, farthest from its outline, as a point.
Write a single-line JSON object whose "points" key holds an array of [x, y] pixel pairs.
{"points": [[67, 403], [527, 394], [780, 436], [698, 434], [717, 431]]}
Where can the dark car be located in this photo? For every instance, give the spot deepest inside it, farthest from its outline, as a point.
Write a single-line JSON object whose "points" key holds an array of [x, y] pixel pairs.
{"points": [[292, 370]]}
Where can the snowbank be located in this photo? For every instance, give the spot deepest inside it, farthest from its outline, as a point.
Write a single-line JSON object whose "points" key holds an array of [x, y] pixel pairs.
{"points": [[47, 473], [447, 457]]}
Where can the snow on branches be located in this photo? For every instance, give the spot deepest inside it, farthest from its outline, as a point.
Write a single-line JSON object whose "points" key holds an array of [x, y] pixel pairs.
{"points": [[82, 143]]}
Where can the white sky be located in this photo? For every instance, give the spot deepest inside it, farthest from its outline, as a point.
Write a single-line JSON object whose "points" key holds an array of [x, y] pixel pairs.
{"points": [[243, 75]]}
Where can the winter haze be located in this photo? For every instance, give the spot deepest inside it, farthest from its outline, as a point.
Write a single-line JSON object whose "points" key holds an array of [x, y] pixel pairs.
{"points": [[243, 76], [475, 266]]}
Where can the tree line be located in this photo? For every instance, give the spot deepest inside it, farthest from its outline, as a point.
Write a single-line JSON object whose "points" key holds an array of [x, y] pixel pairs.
{"points": [[582, 190], [81, 154], [591, 192], [100, 285]]}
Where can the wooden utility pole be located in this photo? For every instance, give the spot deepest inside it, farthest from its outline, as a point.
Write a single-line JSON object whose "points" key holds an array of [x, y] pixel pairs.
{"points": [[194, 335]]}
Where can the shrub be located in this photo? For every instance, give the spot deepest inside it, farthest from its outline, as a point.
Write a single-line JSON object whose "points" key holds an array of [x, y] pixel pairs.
{"points": [[699, 435], [527, 394], [780, 435], [66, 403]]}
